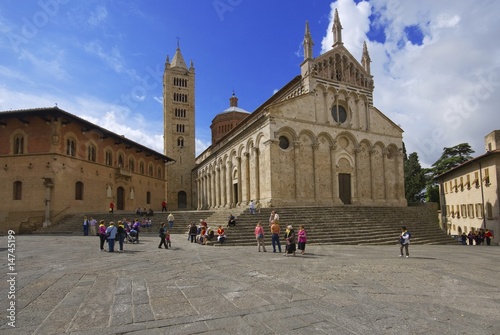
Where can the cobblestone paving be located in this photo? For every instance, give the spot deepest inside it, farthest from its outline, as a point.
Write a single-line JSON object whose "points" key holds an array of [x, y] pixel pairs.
{"points": [[65, 285]]}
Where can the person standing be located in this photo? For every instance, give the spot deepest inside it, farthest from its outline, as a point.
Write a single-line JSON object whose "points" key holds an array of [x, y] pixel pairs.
{"points": [[111, 234], [121, 235], [301, 239], [85, 226], [488, 236], [290, 240], [162, 233], [275, 236], [163, 206], [111, 207], [193, 231], [93, 223], [170, 219], [259, 236], [252, 207], [404, 239], [102, 234]]}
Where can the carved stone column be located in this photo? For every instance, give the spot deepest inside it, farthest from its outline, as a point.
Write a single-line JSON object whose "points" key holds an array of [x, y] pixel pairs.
{"points": [[315, 147], [296, 153], [217, 187], [247, 177], [255, 152], [373, 185], [224, 184], [356, 190], [240, 183], [333, 165], [229, 178]]}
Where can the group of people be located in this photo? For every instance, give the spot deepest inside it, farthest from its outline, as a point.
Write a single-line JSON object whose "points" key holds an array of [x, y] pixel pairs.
{"points": [[293, 241], [477, 238], [203, 233], [125, 230], [144, 212]]}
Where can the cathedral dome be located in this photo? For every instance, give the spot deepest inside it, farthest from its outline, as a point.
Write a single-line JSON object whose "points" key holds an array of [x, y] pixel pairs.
{"points": [[225, 121]]}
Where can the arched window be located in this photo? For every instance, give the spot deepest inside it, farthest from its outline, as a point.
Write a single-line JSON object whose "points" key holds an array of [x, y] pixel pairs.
{"points": [[158, 173], [148, 197], [91, 153], [131, 164], [18, 145], [79, 190], [109, 158], [180, 142], [151, 170], [120, 160], [17, 190], [141, 167], [70, 147]]}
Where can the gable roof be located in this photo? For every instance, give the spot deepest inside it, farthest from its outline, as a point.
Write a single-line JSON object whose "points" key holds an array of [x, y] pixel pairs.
{"points": [[46, 113]]}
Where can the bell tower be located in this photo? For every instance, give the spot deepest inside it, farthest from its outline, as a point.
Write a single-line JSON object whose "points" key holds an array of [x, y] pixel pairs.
{"points": [[179, 130]]}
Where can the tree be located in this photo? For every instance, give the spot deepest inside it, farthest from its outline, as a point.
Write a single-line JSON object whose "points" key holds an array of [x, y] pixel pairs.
{"points": [[450, 158], [414, 178]]}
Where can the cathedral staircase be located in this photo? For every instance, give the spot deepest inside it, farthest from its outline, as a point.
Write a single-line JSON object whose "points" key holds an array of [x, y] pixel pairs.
{"points": [[348, 225]]}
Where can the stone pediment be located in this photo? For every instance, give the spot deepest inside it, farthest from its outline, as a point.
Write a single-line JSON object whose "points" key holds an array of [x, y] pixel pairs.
{"points": [[339, 65]]}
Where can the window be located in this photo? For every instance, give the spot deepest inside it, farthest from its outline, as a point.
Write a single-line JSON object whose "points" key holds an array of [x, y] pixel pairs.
{"points": [[151, 170], [180, 128], [467, 182], [18, 145], [447, 210], [180, 142], [141, 167], [463, 209], [339, 114], [109, 158], [452, 211], [148, 197], [91, 153], [120, 160], [461, 185], [70, 147], [180, 112], [479, 211], [283, 142], [476, 179], [445, 188], [131, 165], [17, 190], [486, 177], [470, 211], [79, 190], [158, 173]]}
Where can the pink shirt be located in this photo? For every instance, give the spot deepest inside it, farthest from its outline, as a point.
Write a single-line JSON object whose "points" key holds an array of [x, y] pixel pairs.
{"points": [[302, 236], [259, 230]]}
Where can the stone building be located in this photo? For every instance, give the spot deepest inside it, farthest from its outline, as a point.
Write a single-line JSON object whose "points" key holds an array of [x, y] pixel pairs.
{"points": [[317, 141], [54, 163], [469, 192]]}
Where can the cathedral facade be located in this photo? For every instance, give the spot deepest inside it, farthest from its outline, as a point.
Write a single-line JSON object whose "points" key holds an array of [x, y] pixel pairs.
{"points": [[317, 141]]}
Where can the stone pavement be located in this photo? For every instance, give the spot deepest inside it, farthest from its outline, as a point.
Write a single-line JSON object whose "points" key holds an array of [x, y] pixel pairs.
{"points": [[65, 285]]}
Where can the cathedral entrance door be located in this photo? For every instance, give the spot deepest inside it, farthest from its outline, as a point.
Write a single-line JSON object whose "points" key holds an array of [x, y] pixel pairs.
{"points": [[345, 188], [120, 198], [182, 200]]}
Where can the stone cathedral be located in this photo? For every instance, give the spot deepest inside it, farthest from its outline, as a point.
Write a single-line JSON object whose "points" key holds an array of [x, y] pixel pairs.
{"points": [[317, 141]]}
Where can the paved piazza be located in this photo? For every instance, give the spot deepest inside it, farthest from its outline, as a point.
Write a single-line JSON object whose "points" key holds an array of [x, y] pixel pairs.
{"points": [[65, 285]]}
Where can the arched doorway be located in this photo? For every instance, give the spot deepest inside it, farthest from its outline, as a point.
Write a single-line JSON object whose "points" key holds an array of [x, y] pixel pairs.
{"points": [[182, 200], [120, 198]]}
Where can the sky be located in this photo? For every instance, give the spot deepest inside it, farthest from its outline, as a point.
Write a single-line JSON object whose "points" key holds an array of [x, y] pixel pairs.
{"points": [[436, 64]]}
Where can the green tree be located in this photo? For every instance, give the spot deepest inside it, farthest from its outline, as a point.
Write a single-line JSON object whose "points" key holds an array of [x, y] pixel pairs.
{"points": [[414, 178], [450, 158]]}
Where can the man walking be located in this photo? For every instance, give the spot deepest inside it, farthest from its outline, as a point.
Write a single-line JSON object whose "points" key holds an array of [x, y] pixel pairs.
{"points": [[404, 239], [170, 219], [163, 206]]}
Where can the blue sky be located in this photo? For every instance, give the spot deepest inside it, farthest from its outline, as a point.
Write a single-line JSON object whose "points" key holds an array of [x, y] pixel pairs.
{"points": [[436, 64]]}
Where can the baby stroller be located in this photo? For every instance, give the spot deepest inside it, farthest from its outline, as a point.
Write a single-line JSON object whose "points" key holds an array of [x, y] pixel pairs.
{"points": [[132, 236]]}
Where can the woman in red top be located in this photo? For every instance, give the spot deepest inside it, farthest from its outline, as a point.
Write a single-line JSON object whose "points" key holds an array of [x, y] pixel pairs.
{"points": [[221, 235]]}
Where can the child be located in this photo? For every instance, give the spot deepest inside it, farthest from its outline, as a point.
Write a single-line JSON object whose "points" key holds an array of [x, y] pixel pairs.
{"points": [[302, 239], [167, 238]]}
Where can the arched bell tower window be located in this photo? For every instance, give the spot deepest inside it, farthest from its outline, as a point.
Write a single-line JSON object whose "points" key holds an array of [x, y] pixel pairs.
{"points": [[18, 145], [339, 114]]}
